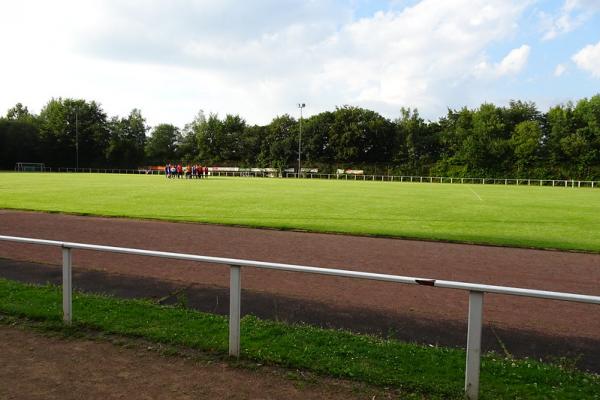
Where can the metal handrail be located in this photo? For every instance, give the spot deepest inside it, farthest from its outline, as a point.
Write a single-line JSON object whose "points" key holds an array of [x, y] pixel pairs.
{"points": [[544, 294], [567, 183], [476, 292]]}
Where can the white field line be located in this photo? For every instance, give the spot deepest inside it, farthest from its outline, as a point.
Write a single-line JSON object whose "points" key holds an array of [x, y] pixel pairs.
{"points": [[475, 193]]}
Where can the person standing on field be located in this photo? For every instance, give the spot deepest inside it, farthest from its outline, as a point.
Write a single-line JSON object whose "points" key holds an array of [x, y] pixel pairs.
{"points": [[206, 172], [168, 171]]}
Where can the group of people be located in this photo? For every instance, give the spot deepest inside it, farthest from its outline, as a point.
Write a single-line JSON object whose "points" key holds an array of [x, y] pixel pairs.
{"points": [[191, 171]]}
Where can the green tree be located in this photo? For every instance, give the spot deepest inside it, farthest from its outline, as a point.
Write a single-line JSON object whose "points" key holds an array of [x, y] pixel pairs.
{"points": [[19, 142], [127, 142], [484, 146], [230, 138], [526, 142], [251, 143], [280, 145], [162, 146], [19, 113], [358, 135], [316, 142], [189, 141], [520, 111], [418, 143], [68, 125], [208, 134]]}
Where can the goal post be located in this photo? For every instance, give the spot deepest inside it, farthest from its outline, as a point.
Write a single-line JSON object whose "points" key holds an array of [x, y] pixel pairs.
{"points": [[30, 167]]}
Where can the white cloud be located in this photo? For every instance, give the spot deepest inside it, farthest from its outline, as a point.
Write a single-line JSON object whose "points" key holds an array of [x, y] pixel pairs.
{"points": [[559, 70], [588, 59], [511, 64], [571, 16], [415, 57], [514, 61], [257, 58]]}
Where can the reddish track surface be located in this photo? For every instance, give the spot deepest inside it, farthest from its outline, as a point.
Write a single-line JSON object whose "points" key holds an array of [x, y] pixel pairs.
{"points": [[538, 269]]}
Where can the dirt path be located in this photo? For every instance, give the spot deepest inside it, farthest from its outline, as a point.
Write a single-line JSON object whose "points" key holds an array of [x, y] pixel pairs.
{"points": [[40, 367]]}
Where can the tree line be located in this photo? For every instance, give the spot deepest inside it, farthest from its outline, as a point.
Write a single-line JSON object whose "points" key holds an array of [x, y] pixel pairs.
{"points": [[516, 140]]}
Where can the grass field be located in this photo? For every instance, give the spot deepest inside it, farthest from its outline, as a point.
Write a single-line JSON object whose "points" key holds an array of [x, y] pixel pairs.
{"points": [[541, 217]]}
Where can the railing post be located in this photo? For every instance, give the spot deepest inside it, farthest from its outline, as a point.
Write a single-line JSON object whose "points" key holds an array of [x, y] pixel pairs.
{"points": [[67, 288], [235, 294], [474, 345]]}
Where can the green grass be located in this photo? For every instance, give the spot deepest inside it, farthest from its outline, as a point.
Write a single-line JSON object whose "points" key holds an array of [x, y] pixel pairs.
{"points": [[524, 216], [431, 371]]}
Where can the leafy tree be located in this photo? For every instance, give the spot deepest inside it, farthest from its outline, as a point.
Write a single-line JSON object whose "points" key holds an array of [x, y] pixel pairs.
{"points": [[162, 146], [68, 125], [526, 142], [280, 145], [189, 140], [220, 141], [520, 111], [19, 113], [127, 140], [19, 142], [487, 141], [230, 138], [358, 135], [251, 143], [316, 143], [483, 146], [208, 134], [418, 145]]}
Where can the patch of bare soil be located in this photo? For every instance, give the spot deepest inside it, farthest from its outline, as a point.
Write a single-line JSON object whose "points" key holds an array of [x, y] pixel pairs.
{"points": [[35, 366]]}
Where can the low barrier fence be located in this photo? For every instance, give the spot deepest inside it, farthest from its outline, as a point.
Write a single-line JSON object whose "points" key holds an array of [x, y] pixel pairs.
{"points": [[107, 171], [568, 183], [476, 292], [256, 174], [445, 179]]}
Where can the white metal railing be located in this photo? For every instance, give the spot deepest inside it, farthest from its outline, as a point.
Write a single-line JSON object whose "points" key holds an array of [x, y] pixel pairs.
{"points": [[476, 292], [446, 179], [136, 171], [567, 183]]}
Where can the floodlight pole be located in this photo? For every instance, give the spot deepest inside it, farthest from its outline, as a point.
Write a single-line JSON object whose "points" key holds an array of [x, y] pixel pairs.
{"points": [[300, 106], [77, 136]]}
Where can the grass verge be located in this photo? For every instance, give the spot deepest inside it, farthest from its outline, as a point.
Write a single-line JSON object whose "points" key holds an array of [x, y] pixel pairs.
{"points": [[418, 370]]}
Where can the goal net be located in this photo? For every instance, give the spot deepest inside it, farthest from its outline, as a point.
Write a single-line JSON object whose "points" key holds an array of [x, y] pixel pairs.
{"points": [[30, 167]]}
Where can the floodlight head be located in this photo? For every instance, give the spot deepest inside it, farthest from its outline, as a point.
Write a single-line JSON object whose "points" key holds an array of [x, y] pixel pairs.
{"points": [[301, 105]]}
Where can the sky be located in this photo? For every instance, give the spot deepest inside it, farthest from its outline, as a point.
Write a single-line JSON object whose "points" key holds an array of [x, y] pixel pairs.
{"points": [[260, 58]]}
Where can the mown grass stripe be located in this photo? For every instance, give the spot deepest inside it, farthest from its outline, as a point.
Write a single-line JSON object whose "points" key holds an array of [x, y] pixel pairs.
{"points": [[523, 216]]}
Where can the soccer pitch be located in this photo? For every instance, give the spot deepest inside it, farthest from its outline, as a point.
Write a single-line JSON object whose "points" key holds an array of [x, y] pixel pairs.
{"points": [[524, 216]]}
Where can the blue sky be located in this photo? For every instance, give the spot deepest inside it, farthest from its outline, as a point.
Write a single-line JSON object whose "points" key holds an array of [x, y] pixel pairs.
{"points": [[260, 58]]}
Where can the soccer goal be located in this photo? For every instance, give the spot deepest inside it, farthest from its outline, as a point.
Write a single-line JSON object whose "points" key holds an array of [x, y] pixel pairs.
{"points": [[30, 167]]}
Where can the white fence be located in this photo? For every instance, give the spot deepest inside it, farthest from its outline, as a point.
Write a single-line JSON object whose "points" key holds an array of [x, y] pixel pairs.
{"points": [[138, 171], [568, 183], [445, 179], [476, 292]]}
